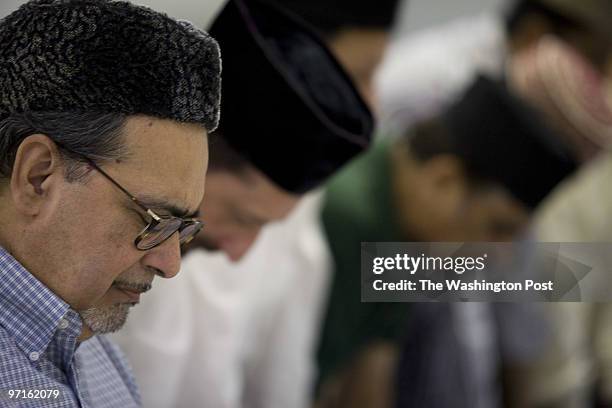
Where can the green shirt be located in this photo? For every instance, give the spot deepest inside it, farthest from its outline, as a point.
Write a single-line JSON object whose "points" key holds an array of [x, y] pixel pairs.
{"points": [[358, 208]]}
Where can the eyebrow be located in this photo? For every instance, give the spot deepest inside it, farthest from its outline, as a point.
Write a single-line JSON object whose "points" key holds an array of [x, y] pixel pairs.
{"points": [[166, 206]]}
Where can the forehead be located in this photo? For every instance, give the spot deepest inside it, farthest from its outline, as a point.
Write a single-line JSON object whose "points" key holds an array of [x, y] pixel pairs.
{"points": [[249, 192], [360, 46], [167, 160]]}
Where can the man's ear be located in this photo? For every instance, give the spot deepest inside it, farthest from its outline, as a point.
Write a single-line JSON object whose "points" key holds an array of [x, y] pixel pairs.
{"points": [[36, 171]]}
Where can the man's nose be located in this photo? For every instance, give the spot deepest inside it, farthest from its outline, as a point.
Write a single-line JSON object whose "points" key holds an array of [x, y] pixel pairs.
{"points": [[165, 258]]}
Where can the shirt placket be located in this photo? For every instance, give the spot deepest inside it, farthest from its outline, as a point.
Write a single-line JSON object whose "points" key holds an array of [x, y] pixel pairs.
{"points": [[65, 342]]}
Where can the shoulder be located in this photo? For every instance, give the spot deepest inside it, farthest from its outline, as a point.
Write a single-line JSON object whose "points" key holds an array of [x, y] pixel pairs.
{"points": [[18, 372], [583, 201]]}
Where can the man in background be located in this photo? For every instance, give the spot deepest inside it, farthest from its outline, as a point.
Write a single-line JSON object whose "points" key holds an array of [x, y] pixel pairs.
{"points": [[456, 177], [556, 55], [357, 32]]}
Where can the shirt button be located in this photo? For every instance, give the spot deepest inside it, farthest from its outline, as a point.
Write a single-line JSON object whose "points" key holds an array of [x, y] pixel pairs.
{"points": [[34, 356], [63, 324]]}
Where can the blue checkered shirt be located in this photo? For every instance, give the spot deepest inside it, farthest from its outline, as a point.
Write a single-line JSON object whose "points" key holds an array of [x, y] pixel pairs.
{"points": [[39, 351]]}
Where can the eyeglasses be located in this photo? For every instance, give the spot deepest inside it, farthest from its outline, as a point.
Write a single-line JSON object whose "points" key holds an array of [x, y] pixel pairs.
{"points": [[161, 227]]}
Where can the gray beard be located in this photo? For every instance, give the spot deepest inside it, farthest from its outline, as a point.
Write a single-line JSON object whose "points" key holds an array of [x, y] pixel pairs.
{"points": [[106, 319]]}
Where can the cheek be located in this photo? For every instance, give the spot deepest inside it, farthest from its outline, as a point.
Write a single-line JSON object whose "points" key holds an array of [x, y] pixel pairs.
{"points": [[231, 232], [85, 245], [491, 223], [447, 218], [217, 220], [113, 254], [120, 249], [456, 221]]}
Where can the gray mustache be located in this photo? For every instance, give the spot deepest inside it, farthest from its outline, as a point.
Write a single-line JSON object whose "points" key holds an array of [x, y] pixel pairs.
{"points": [[134, 287]]}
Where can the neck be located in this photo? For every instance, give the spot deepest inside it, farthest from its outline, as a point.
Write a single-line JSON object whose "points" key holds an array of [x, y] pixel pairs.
{"points": [[86, 333]]}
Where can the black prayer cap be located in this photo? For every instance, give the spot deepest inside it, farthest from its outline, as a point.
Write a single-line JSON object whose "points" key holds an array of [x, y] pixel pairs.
{"points": [[333, 15], [288, 107], [500, 137], [107, 56]]}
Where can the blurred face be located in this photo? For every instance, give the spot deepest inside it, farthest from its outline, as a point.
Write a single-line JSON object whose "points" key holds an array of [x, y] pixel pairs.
{"points": [[435, 203], [83, 232], [594, 45], [237, 206], [360, 51], [567, 90]]}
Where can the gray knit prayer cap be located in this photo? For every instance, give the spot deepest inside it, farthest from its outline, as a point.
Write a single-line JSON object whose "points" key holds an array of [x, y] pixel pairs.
{"points": [[107, 56]]}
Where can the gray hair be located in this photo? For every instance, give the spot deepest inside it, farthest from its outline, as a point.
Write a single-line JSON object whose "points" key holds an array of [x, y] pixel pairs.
{"points": [[98, 136]]}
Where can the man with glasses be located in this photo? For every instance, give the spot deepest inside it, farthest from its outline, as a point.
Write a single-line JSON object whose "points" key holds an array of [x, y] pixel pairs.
{"points": [[105, 108]]}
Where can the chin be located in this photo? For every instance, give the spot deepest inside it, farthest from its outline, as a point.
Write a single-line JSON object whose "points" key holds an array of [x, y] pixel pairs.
{"points": [[106, 319]]}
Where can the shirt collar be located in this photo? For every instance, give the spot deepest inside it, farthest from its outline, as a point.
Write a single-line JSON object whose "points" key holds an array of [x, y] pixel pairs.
{"points": [[29, 311]]}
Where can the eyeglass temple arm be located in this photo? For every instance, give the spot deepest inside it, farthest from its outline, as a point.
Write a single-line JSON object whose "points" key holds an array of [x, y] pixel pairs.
{"points": [[120, 187], [109, 178]]}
